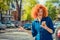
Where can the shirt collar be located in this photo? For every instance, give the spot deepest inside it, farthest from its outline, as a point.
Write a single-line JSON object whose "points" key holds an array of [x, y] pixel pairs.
{"points": [[36, 20]]}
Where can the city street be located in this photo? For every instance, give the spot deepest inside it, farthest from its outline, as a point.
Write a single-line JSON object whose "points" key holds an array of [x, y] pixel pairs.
{"points": [[14, 34], [19, 19]]}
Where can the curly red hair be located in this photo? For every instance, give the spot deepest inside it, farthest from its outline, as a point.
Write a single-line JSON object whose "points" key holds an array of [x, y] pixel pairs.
{"points": [[36, 9]]}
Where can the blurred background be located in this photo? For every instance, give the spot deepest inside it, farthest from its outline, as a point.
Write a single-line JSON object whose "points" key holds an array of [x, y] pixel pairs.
{"points": [[15, 18]]}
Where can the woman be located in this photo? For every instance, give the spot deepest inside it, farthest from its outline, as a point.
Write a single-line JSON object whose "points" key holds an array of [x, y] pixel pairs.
{"points": [[42, 26]]}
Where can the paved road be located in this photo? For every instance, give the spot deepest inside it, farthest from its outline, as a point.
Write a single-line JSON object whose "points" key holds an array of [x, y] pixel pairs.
{"points": [[15, 35]]}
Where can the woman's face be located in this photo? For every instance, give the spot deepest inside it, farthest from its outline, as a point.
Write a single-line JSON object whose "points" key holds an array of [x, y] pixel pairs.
{"points": [[40, 14]]}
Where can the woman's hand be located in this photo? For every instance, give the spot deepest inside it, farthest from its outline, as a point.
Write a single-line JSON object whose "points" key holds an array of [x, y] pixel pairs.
{"points": [[46, 27]]}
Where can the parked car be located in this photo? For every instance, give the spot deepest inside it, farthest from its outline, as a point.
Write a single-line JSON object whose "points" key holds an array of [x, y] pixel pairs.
{"points": [[56, 24], [27, 26], [2, 26], [57, 30], [16, 23], [57, 33], [9, 24]]}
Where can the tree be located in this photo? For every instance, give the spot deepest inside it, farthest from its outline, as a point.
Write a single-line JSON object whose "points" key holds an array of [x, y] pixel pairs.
{"points": [[19, 7], [52, 10], [53, 1], [27, 7], [56, 1], [4, 5]]}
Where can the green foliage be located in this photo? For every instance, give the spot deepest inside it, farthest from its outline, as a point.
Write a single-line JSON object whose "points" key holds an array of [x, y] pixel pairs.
{"points": [[4, 5], [27, 7], [51, 10], [53, 1]]}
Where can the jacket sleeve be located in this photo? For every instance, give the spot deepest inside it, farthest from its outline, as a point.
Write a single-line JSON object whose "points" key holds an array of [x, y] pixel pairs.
{"points": [[51, 25], [33, 30]]}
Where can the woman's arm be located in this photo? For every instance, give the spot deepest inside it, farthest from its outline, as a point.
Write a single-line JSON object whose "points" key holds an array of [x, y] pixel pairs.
{"points": [[49, 28], [33, 30]]}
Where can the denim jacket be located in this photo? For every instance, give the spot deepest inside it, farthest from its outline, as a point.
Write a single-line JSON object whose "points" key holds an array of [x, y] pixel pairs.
{"points": [[40, 33]]}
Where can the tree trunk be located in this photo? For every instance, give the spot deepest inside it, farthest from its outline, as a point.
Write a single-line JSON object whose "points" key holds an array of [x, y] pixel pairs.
{"points": [[19, 9]]}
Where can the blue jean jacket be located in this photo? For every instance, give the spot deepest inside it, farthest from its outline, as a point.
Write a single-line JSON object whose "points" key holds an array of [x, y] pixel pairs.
{"points": [[40, 33]]}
